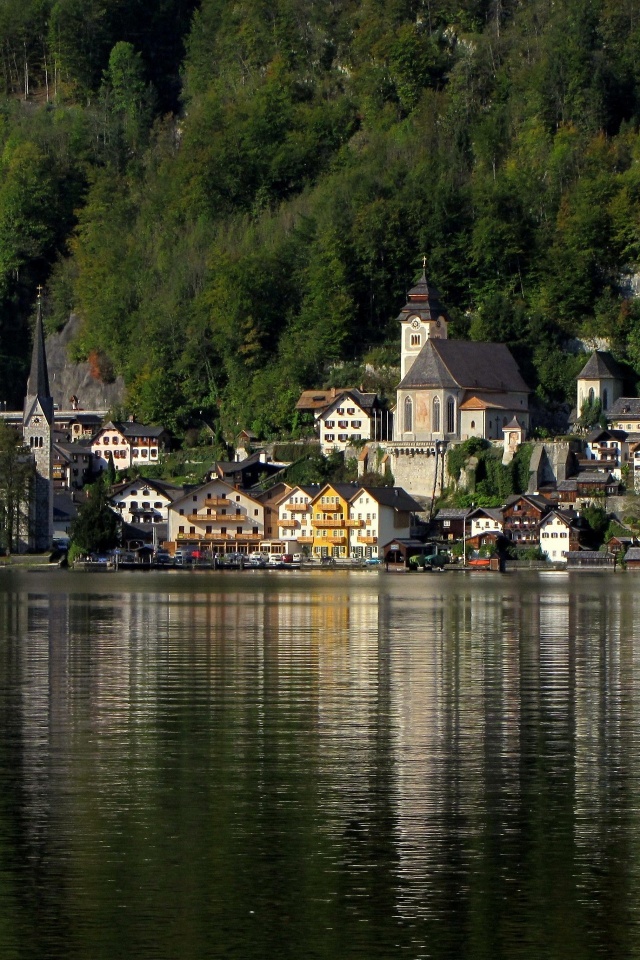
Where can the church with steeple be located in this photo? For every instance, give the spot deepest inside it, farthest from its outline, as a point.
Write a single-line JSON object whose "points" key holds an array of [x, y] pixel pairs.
{"points": [[37, 427], [452, 389]]}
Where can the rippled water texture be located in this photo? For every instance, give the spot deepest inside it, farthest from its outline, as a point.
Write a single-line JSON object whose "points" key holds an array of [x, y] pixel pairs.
{"points": [[328, 765]]}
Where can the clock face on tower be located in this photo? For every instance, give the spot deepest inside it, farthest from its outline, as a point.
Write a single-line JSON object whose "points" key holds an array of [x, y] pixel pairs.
{"points": [[415, 323]]}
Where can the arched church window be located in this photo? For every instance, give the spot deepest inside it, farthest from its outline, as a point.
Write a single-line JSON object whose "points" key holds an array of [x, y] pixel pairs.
{"points": [[408, 414], [605, 399], [591, 395], [473, 424], [436, 415], [451, 415]]}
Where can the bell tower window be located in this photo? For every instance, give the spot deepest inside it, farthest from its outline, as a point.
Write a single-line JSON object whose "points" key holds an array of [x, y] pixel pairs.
{"points": [[436, 415], [416, 339]]}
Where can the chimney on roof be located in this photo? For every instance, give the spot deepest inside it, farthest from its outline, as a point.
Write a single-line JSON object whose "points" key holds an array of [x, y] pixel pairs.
{"points": [[395, 490], [132, 418]]}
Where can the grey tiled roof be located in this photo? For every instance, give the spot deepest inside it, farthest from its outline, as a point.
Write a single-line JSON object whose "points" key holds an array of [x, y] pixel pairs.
{"points": [[600, 364], [625, 407], [466, 364]]}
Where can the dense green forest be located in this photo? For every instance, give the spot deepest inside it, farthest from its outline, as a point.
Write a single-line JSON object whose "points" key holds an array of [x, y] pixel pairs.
{"points": [[235, 196]]}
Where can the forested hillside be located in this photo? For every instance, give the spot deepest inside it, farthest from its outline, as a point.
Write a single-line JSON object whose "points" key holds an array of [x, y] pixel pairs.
{"points": [[234, 195]]}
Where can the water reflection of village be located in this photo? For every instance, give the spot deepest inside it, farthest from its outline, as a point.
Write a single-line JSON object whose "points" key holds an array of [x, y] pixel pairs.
{"points": [[453, 748]]}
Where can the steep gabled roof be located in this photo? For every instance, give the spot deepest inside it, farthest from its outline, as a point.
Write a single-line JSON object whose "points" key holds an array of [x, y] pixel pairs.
{"points": [[600, 365], [395, 497], [38, 383], [485, 367]]}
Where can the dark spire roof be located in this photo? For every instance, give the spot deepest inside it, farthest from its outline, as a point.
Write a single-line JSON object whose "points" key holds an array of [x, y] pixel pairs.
{"points": [[424, 300], [38, 382], [600, 364]]}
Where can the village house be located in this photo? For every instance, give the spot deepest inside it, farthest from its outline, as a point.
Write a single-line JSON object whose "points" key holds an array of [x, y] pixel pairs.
{"points": [[144, 501], [378, 515], [560, 532], [294, 526], [624, 414], [484, 519], [619, 545], [72, 465], [449, 523], [352, 521], [351, 417], [605, 450], [217, 517], [594, 484], [128, 444], [270, 500], [521, 517]]}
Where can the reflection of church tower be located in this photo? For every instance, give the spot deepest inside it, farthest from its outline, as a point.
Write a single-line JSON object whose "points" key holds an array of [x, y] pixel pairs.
{"points": [[423, 317], [37, 424]]}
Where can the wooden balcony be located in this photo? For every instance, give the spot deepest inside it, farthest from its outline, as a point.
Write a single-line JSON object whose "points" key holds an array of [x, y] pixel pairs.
{"points": [[328, 507], [217, 502], [337, 540], [354, 523], [298, 507], [305, 539], [288, 524], [365, 538], [325, 524]]}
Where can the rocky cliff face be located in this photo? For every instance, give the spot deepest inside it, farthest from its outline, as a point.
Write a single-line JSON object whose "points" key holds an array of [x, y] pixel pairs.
{"points": [[69, 379]]}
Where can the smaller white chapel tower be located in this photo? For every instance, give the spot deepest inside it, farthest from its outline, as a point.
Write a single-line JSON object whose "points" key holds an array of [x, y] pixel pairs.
{"points": [[422, 318], [37, 427]]}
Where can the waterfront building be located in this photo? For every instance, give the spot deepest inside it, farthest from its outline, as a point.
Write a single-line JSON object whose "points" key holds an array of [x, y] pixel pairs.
{"points": [[218, 517]]}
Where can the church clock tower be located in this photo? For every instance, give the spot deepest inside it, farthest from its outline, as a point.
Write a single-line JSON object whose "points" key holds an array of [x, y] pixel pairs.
{"points": [[422, 318], [37, 429]]}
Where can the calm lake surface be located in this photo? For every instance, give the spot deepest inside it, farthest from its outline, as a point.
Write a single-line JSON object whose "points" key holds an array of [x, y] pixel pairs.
{"points": [[319, 765]]}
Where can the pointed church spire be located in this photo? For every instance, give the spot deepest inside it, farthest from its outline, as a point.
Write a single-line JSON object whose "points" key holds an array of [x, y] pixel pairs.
{"points": [[38, 382]]}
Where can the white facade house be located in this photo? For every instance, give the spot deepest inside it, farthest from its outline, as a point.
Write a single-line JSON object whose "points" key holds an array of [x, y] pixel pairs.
{"points": [[378, 516], [484, 520], [351, 417], [128, 444], [558, 535], [144, 501], [294, 524]]}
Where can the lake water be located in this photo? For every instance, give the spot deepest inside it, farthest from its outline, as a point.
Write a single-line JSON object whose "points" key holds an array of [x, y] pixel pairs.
{"points": [[319, 765]]}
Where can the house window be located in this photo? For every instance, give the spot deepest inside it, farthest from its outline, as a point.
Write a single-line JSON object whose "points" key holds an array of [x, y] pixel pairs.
{"points": [[329, 424], [451, 415], [408, 414], [436, 415], [329, 437], [238, 529], [180, 529]]}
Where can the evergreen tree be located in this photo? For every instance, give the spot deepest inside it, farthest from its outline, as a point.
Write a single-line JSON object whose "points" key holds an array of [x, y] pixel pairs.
{"points": [[96, 528]]}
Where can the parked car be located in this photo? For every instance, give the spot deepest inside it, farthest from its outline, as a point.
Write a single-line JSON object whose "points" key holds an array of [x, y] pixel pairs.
{"points": [[257, 560], [372, 562], [164, 558], [275, 560]]}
